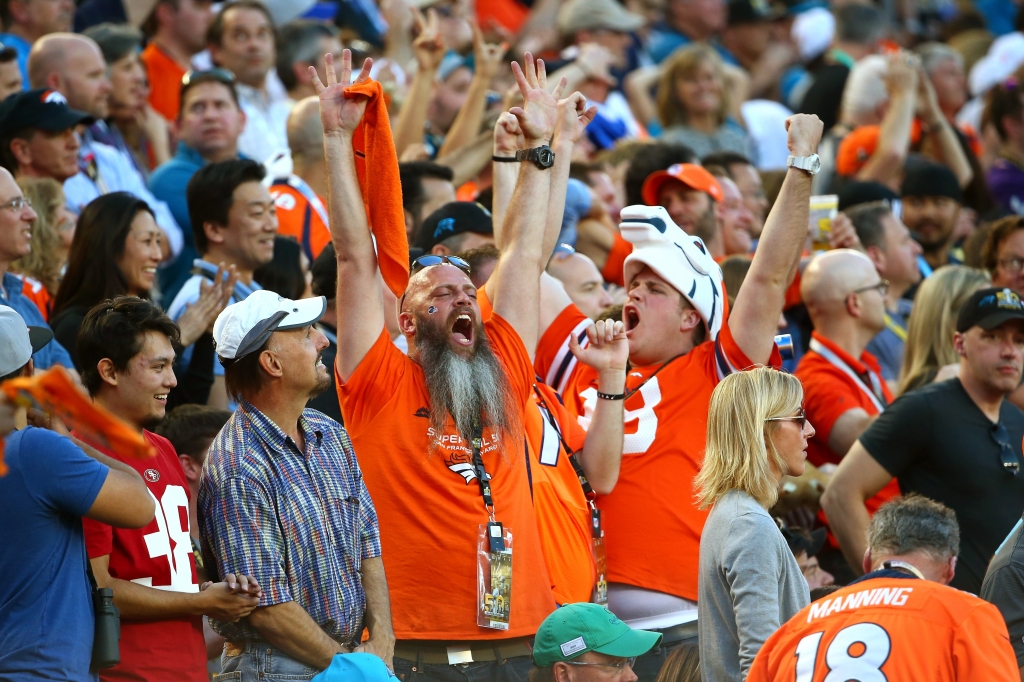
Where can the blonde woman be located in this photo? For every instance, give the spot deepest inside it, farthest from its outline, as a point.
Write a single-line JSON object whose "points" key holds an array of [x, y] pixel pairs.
{"points": [[749, 582], [929, 354], [52, 233], [694, 104]]}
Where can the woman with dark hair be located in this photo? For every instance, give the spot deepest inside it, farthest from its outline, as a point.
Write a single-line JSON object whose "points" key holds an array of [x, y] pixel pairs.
{"points": [[115, 252]]}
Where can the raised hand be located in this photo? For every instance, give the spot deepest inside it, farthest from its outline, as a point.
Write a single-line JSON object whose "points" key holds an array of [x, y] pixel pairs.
{"points": [[608, 349], [340, 114], [573, 118], [508, 136], [539, 113], [428, 47], [804, 134], [486, 56]]}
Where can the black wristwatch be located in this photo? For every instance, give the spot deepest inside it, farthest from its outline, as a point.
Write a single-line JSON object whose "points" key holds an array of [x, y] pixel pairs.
{"points": [[541, 156]]}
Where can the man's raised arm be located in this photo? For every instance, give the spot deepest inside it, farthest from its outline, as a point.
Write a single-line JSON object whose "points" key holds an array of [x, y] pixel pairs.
{"points": [[760, 299], [360, 302]]}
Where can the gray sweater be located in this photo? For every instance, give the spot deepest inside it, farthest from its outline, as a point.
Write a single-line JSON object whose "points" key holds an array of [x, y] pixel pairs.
{"points": [[749, 584]]}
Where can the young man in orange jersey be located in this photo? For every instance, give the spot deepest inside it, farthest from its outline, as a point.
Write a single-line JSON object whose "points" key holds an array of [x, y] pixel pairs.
{"points": [[679, 348], [439, 431], [900, 621]]}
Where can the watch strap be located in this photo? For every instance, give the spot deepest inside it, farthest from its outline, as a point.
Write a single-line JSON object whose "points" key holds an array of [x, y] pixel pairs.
{"points": [[505, 159]]}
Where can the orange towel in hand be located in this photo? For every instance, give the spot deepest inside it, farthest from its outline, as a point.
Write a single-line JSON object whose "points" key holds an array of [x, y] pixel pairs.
{"points": [[376, 159]]}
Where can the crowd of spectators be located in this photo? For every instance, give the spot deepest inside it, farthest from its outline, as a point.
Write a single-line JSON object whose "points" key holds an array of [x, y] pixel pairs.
{"points": [[510, 340]]}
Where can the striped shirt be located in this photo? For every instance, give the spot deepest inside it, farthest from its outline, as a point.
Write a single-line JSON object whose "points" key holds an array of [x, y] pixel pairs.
{"points": [[300, 523]]}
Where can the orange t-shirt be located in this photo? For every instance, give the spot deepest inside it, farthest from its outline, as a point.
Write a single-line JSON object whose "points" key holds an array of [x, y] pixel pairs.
{"points": [[164, 81], [665, 433], [299, 219], [829, 392], [428, 500], [563, 514], [890, 628], [33, 289]]}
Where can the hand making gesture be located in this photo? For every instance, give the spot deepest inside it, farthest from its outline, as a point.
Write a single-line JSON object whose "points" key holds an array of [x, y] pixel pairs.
{"points": [[340, 115], [539, 113], [573, 118], [608, 349]]}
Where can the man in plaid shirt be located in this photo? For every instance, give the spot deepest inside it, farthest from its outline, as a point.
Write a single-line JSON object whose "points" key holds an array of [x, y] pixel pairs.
{"points": [[282, 499]]}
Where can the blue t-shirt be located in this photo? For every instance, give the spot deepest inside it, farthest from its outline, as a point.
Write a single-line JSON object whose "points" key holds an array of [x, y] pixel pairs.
{"points": [[45, 596]]}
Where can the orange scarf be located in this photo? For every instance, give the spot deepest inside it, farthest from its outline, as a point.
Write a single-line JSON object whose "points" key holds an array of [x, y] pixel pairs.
{"points": [[376, 159]]}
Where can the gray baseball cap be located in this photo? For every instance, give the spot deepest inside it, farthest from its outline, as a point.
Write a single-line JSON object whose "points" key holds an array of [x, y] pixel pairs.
{"points": [[18, 341]]}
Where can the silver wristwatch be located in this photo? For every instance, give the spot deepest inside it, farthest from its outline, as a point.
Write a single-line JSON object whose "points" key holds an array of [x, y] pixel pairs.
{"points": [[811, 164]]}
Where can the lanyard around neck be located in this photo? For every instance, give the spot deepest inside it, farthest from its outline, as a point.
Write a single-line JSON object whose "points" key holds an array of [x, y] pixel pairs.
{"points": [[872, 391], [482, 477]]}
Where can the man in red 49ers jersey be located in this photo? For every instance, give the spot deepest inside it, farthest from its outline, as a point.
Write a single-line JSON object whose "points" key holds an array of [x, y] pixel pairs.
{"points": [[680, 347], [900, 621], [127, 357]]}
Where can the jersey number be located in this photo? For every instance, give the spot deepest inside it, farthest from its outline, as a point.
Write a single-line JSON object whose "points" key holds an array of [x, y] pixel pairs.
{"points": [[169, 509], [646, 419], [856, 654]]}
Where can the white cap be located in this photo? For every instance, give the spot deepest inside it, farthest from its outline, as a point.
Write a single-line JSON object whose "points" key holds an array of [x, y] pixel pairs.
{"points": [[18, 341], [813, 31], [1003, 58], [679, 259], [245, 326]]}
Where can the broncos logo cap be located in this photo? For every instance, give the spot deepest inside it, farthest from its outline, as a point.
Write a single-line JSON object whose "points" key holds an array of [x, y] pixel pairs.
{"points": [[690, 174], [679, 259], [41, 108]]}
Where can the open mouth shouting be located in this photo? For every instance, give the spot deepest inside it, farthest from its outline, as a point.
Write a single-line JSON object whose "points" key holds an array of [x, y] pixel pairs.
{"points": [[630, 317], [462, 329]]}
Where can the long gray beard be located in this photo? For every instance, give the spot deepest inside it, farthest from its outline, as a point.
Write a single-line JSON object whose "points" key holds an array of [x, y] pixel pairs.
{"points": [[465, 388]]}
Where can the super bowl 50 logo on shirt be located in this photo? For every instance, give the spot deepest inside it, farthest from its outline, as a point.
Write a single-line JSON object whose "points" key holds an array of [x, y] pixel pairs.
{"points": [[458, 456]]}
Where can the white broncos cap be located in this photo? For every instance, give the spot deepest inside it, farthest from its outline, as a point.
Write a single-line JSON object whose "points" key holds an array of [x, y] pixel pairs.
{"points": [[679, 259], [245, 326]]}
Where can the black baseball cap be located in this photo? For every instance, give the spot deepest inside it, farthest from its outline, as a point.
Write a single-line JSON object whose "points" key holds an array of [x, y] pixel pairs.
{"points": [[928, 179], [854, 193], [753, 11], [989, 308], [40, 108], [452, 219], [803, 540]]}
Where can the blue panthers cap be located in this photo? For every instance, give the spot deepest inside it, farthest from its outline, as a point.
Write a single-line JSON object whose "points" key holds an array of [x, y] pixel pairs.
{"points": [[452, 219], [359, 667]]}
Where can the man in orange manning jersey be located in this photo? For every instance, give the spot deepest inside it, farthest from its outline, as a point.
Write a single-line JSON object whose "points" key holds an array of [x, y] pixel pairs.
{"points": [[439, 432], [298, 192], [679, 349], [900, 621]]}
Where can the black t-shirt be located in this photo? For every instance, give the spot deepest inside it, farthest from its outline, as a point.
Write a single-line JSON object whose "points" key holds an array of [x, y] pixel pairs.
{"points": [[825, 93], [1004, 587], [937, 443]]}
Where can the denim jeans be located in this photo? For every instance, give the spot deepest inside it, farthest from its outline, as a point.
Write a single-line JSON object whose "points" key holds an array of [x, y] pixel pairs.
{"points": [[262, 662], [509, 670]]}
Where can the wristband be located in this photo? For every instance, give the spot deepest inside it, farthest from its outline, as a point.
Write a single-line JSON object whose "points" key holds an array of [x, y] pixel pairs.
{"points": [[611, 396], [505, 159]]}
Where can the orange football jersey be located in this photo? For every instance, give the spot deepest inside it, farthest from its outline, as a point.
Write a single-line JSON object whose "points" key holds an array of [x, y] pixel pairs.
{"points": [[562, 510], [651, 521], [895, 629]]}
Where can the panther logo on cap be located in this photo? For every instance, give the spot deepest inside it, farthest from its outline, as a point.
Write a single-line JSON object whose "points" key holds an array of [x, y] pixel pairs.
{"points": [[54, 97], [445, 225]]}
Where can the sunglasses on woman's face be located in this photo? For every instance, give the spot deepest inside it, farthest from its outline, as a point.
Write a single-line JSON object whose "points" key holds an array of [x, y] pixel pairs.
{"points": [[800, 418]]}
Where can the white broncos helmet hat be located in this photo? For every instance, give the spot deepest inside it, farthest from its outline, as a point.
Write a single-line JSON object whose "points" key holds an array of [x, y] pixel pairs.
{"points": [[679, 259]]}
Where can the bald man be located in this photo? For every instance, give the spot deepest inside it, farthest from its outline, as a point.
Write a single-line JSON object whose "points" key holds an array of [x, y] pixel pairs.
{"points": [[299, 195], [843, 386], [72, 65], [582, 281]]}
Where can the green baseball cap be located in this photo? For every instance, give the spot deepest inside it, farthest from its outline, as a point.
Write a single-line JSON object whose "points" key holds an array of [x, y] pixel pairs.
{"points": [[575, 629]]}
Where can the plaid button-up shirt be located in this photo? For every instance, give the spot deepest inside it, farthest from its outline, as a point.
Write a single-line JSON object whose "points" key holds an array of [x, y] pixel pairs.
{"points": [[300, 523]]}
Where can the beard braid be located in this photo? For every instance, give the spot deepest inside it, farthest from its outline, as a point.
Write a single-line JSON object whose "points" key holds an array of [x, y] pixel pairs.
{"points": [[465, 388]]}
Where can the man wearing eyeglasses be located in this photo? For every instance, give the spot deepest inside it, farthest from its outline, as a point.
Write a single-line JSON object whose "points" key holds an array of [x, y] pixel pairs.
{"points": [[957, 442], [843, 386], [583, 642], [16, 218]]}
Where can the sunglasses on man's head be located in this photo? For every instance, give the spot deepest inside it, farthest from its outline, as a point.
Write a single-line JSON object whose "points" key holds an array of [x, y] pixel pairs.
{"points": [[430, 259], [215, 74]]}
